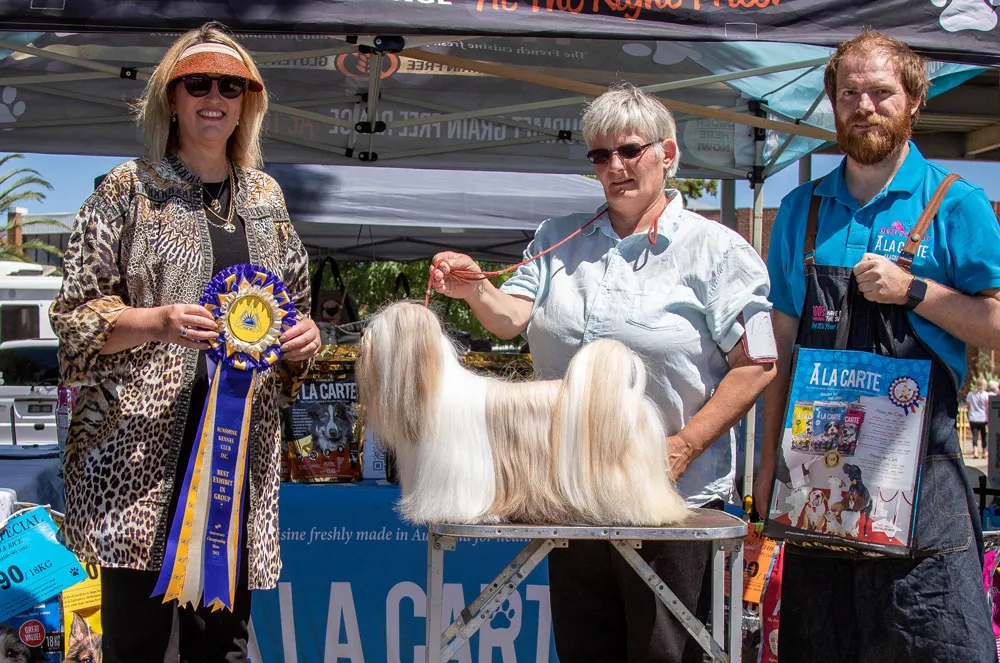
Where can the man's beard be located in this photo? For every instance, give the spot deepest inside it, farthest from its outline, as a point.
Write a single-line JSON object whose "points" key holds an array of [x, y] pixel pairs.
{"points": [[874, 145]]}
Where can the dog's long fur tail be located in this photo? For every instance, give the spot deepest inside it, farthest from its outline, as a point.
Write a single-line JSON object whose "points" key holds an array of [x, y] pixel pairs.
{"points": [[611, 446]]}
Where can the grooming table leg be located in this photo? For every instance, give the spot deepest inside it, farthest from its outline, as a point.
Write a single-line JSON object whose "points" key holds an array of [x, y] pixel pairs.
{"points": [[690, 623], [718, 593], [736, 602], [436, 545], [490, 600], [491, 590]]}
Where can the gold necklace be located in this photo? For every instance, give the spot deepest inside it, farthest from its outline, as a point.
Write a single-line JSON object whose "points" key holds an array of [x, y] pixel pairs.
{"points": [[215, 207]]}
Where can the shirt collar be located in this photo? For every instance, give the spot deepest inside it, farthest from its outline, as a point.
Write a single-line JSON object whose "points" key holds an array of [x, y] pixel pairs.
{"points": [[909, 177], [665, 227]]}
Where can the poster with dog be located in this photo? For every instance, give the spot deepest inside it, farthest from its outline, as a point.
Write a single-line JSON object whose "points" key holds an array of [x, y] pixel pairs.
{"points": [[322, 433], [850, 451]]}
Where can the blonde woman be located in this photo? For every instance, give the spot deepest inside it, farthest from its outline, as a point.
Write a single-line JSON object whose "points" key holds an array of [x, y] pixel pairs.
{"points": [[132, 333]]}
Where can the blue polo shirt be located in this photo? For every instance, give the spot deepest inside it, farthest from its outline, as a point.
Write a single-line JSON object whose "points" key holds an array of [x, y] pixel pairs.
{"points": [[961, 248]]}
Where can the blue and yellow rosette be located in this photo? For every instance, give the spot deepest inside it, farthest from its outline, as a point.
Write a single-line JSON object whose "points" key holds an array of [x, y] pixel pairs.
{"points": [[202, 558]]}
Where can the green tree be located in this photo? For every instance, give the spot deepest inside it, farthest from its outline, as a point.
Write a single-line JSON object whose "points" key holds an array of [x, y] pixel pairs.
{"points": [[981, 366], [19, 186], [374, 284], [694, 188], [690, 188]]}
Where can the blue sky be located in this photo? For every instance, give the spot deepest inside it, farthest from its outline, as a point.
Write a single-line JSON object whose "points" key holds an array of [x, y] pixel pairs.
{"points": [[73, 179]]}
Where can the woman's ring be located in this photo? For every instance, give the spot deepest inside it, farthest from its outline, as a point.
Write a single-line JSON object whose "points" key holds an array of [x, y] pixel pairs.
{"points": [[184, 332]]}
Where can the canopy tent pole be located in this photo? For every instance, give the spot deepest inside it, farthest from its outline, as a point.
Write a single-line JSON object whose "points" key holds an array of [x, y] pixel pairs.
{"points": [[788, 139], [728, 204], [756, 234], [464, 147], [99, 70], [805, 169], [548, 80]]}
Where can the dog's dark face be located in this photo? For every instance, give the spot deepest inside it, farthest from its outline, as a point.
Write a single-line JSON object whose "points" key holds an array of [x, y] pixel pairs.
{"points": [[853, 472], [12, 650], [340, 424]]}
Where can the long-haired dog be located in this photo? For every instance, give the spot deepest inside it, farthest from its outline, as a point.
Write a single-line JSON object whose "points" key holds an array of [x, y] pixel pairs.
{"points": [[589, 448]]}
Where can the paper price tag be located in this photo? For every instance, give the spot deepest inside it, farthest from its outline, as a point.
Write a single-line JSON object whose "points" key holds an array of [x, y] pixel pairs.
{"points": [[34, 566], [758, 337], [758, 550]]}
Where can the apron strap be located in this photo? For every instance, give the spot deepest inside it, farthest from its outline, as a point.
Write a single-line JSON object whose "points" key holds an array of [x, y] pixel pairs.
{"points": [[905, 259], [812, 225]]}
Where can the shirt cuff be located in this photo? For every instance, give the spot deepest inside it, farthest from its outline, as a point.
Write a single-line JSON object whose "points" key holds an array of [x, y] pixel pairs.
{"points": [[732, 337], [516, 289]]}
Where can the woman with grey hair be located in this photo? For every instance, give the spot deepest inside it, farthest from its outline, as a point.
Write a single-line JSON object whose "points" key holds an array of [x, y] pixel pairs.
{"points": [[677, 289]]}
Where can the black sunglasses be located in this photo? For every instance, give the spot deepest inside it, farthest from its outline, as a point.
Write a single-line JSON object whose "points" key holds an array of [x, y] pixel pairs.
{"points": [[627, 152], [199, 85]]}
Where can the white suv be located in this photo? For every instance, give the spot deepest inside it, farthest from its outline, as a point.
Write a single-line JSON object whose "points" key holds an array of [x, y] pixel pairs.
{"points": [[29, 395]]}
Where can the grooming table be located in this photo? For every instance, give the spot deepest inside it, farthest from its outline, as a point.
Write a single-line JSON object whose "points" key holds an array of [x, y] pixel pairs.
{"points": [[726, 533]]}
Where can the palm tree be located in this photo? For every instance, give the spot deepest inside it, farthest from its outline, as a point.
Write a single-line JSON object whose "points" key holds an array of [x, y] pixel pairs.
{"points": [[21, 185]]}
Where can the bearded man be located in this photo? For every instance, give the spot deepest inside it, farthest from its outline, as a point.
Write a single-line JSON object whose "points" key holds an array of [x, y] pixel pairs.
{"points": [[845, 247]]}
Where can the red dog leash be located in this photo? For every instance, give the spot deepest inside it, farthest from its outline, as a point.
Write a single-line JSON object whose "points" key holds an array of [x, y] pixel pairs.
{"points": [[470, 277]]}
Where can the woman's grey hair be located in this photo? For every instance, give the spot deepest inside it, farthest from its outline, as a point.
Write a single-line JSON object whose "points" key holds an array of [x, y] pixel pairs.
{"points": [[624, 108]]}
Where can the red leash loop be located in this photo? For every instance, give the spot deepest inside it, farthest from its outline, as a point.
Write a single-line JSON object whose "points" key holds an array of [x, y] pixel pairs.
{"points": [[470, 276]]}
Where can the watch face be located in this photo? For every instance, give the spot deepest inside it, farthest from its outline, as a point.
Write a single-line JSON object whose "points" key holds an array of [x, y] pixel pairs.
{"points": [[918, 289]]}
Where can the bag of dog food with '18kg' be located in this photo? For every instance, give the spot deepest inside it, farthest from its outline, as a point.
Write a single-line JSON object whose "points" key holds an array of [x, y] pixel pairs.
{"points": [[34, 636]]}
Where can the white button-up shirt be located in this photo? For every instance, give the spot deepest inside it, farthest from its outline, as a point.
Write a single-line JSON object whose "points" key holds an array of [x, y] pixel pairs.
{"points": [[676, 303]]}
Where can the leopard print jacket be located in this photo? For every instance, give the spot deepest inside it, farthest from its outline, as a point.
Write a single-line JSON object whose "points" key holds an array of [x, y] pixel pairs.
{"points": [[141, 240]]}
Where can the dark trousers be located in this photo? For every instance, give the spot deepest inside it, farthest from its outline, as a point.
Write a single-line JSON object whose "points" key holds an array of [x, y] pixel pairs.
{"points": [[603, 611], [978, 429], [139, 628]]}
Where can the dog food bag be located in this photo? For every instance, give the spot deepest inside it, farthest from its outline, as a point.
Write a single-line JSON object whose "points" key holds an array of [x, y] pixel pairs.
{"points": [[802, 426], [81, 607], [322, 428], [828, 419], [34, 636], [854, 418]]}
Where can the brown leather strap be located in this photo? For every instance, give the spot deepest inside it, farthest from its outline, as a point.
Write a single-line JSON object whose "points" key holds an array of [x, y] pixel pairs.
{"points": [[812, 225], [905, 259]]}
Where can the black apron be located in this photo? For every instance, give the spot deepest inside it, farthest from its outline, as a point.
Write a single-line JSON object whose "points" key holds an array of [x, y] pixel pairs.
{"points": [[852, 608]]}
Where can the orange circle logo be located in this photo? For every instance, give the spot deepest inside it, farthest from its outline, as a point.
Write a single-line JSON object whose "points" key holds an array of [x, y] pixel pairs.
{"points": [[358, 65]]}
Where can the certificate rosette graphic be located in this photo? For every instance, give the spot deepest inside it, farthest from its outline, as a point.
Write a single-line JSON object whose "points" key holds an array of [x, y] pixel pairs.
{"points": [[202, 558]]}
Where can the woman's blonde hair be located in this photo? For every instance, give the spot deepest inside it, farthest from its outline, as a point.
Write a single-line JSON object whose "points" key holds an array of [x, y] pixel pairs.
{"points": [[153, 109]]}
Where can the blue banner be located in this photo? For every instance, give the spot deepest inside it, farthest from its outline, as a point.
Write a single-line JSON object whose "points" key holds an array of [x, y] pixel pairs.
{"points": [[353, 580]]}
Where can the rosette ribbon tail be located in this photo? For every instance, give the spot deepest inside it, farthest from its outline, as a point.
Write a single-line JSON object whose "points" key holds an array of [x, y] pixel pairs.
{"points": [[203, 550]]}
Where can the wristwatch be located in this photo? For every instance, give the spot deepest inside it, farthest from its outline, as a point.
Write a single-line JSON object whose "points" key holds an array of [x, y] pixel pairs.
{"points": [[916, 293]]}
